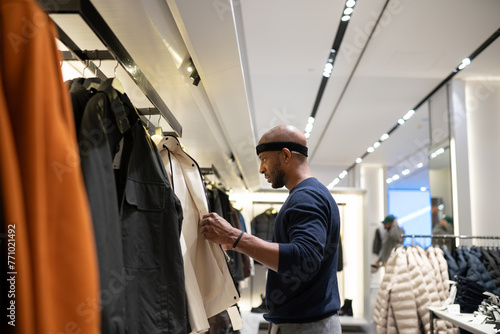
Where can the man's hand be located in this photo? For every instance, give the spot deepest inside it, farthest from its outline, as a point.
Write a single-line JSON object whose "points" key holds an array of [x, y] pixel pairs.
{"points": [[216, 229]]}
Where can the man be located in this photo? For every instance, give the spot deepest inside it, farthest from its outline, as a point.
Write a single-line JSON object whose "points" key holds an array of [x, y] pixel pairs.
{"points": [[445, 227], [391, 238], [302, 291]]}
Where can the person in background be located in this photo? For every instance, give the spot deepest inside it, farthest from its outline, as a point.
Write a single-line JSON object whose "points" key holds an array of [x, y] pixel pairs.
{"points": [[445, 226], [392, 238], [302, 290]]}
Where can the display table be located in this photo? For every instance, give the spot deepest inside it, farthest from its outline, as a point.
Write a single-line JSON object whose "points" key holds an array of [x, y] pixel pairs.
{"points": [[461, 320]]}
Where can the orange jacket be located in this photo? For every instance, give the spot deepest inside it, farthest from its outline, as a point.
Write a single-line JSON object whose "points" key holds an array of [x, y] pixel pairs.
{"points": [[42, 189]]}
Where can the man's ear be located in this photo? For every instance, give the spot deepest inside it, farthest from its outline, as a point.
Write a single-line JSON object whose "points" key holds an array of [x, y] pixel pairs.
{"points": [[287, 154]]}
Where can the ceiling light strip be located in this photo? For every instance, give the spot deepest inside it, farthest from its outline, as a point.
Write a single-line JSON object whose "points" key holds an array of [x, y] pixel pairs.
{"points": [[410, 113], [311, 155], [327, 71]]}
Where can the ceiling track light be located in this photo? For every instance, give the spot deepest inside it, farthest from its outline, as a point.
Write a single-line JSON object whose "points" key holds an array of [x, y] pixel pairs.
{"points": [[328, 67], [465, 62], [408, 115]]}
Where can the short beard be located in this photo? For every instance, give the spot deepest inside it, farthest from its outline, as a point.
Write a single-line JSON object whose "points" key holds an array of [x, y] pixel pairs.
{"points": [[277, 176]]}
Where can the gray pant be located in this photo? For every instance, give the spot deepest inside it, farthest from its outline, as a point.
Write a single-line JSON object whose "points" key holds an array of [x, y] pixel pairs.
{"points": [[330, 325]]}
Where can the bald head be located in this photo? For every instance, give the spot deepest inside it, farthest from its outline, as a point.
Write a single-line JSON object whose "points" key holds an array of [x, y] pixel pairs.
{"points": [[284, 133]]}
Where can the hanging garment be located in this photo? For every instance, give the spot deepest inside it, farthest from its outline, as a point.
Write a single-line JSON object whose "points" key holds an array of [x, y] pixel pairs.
{"points": [[263, 225], [245, 259], [409, 286], [477, 271], [452, 264], [150, 219], [79, 98], [98, 129], [381, 314], [42, 185], [221, 205], [209, 286], [492, 266], [403, 301], [419, 288]]}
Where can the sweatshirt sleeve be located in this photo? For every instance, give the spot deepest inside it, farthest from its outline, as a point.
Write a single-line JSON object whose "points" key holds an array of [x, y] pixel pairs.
{"points": [[306, 225]]}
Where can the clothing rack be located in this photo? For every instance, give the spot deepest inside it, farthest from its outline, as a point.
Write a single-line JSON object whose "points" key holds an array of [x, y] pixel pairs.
{"points": [[450, 236], [115, 49], [210, 171]]}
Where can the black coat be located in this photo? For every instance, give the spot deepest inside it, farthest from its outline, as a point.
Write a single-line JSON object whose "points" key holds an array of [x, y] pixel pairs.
{"points": [[137, 220]]}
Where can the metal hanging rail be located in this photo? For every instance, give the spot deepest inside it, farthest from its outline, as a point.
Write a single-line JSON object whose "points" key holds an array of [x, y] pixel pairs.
{"points": [[101, 29], [451, 236]]}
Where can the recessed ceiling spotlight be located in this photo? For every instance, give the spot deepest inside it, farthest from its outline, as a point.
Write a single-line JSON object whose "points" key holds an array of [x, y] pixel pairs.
{"points": [[409, 114], [348, 11]]}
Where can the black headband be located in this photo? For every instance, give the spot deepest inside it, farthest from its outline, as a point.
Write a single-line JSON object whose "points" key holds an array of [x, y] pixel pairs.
{"points": [[279, 145]]}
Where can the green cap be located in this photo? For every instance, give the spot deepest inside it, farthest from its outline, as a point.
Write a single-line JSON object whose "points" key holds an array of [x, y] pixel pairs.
{"points": [[388, 219]]}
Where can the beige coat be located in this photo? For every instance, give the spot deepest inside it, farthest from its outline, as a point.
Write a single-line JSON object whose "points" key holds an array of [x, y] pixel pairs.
{"points": [[209, 286]]}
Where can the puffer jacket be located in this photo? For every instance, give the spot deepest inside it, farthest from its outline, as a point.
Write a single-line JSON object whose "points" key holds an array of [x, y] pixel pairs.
{"points": [[440, 326], [492, 266], [442, 288], [383, 312], [431, 284], [443, 268], [402, 297], [461, 261], [420, 290], [477, 272], [396, 310], [452, 264]]}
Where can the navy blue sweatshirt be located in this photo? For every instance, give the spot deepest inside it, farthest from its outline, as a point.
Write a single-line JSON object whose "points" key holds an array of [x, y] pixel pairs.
{"points": [[307, 228]]}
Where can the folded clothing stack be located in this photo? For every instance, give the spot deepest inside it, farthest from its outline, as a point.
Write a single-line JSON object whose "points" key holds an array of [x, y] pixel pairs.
{"points": [[469, 294]]}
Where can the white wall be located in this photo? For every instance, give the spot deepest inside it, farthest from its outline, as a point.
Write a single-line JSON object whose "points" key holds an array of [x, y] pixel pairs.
{"points": [[483, 127], [459, 157]]}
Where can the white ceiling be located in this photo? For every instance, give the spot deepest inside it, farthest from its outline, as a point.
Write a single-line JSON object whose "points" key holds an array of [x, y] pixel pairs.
{"points": [[261, 64]]}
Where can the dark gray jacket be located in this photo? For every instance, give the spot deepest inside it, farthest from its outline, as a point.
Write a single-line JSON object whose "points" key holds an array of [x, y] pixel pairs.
{"points": [[137, 220]]}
